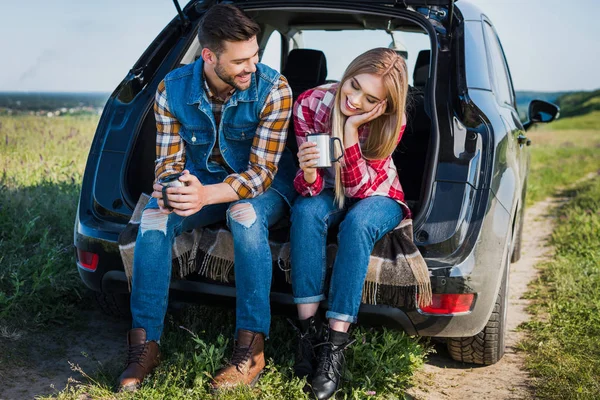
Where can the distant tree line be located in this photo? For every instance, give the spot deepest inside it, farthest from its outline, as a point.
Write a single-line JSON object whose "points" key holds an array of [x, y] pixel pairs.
{"points": [[20, 101], [578, 103]]}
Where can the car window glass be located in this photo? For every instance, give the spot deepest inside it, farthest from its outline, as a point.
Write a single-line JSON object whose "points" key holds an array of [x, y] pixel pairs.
{"points": [[498, 67], [271, 55], [341, 47]]}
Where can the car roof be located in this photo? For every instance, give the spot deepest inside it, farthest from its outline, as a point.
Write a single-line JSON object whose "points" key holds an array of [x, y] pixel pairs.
{"points": [[424, 3], [469, 11]]}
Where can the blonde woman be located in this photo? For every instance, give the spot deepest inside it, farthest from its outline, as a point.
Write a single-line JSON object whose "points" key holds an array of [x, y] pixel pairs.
{"points": [[361, 194]]}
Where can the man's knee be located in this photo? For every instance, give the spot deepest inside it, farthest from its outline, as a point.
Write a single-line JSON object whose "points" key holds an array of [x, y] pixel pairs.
{"points": [[243, 214], [154, 220]]}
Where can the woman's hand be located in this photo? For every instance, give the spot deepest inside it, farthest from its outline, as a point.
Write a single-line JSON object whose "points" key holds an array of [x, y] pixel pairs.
{"points": [[355, 121], [308, 155]]}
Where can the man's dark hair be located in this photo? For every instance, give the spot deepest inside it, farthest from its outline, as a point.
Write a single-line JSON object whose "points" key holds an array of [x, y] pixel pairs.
{"points": [[225, 22]]}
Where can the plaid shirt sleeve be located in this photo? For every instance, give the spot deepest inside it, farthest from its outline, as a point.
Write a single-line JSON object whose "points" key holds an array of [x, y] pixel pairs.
{"points": [[170, 152], [304, 123], [268, 145], [363, 178]]}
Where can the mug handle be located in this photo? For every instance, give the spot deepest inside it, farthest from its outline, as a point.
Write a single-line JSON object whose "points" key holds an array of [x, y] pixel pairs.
{"points": [[332, 148], [165, 198]]}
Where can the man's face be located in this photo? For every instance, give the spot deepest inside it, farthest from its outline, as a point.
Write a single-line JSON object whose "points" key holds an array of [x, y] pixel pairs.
{"points": [[237, 62]]}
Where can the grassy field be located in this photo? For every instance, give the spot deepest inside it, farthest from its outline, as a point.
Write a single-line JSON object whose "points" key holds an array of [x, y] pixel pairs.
{"points": [[564, 337], [42, 160], [560, 156], [41, 163]]}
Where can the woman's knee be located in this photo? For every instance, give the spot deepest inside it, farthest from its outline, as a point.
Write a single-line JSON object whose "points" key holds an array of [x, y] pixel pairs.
{"points": [[309, 209]]}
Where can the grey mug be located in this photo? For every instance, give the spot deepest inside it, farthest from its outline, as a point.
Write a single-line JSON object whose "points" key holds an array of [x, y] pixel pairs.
{"points": [[326, 147]]}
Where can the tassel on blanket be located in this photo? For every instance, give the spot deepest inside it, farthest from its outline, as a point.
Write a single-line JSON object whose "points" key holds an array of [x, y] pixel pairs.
{"points": [[216, 268], [397, 296], [369, 294]]}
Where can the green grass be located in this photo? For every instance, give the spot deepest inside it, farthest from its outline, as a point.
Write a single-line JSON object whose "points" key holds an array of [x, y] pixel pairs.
{"points": [[589, 121], [41, 164], [380, 363], [564, 344], [560, 157]]}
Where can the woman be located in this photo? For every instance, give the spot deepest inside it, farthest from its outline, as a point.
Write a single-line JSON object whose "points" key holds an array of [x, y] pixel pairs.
{"points": [[361, 194]]}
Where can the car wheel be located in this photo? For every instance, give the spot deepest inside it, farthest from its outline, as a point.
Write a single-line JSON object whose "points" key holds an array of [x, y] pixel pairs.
{"points": [[487, 347], [114, 304]]}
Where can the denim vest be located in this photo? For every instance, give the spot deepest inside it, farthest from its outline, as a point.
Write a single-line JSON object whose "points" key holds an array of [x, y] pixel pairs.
{"points": [[240, 117]]}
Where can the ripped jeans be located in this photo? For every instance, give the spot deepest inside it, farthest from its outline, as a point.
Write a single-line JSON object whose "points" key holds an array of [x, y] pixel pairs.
{"points": [[248, 220]]}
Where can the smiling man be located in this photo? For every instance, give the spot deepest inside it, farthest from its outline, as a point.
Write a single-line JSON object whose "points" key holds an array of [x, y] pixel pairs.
{"points": [[222, 124]]}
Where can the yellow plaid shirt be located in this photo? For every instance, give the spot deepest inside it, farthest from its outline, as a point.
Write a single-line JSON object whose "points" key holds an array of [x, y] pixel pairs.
{"points": [[267, 146]]}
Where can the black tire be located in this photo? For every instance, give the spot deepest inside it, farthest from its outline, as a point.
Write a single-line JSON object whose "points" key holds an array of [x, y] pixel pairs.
{"points": [[114, 304], [487, 347]]}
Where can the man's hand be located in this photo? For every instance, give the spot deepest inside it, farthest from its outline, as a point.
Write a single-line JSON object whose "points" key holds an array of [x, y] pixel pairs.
{"points": [[186, 200]]}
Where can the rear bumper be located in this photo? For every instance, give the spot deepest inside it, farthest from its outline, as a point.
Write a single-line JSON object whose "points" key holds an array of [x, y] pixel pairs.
{"points": [[214, 294]]}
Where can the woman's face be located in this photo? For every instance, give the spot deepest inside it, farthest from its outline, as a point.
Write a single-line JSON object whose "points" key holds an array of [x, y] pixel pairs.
{"points": [[361, 93]]}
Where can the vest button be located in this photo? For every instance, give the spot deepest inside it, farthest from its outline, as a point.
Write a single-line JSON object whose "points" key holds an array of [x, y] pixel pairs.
{"points": [[193, 138], [243, 134]]}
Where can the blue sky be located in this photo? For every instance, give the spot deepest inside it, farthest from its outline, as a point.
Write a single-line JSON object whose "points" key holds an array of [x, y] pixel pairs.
{"points": [[68, 45]]}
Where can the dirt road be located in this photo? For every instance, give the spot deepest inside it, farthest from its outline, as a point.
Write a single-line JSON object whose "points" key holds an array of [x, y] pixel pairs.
{"points": [[444, 379], [97, 345]]}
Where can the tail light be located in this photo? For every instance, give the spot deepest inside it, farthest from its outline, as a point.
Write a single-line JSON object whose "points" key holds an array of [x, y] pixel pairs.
{"points": [[450, 303], [87, 260]]}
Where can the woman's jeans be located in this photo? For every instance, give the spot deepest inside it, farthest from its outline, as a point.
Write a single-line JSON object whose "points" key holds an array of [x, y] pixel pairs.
{"points": [[253, 265], [361, 224]]}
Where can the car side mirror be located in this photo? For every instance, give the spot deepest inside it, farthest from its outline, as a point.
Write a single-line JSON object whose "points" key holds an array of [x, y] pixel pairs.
{"points": [[541, 112]]}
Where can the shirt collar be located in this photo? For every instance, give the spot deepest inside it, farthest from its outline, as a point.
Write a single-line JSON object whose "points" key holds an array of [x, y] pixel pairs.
{"points": [[209, 92]]}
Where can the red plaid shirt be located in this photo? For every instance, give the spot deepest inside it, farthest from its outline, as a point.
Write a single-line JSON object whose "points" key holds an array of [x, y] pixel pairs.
{"points": [[361, 177]]}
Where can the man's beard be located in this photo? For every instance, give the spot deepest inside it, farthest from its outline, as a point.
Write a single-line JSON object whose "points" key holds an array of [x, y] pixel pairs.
{"points": [[229, 79]]}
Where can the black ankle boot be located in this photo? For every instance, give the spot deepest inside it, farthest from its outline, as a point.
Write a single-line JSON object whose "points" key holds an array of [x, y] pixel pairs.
{"points": [[310, 333], [330, 363]]}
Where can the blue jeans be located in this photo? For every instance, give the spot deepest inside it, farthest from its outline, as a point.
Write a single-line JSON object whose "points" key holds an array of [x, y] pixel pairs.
{"points": [[361, 224], [253, 265]]}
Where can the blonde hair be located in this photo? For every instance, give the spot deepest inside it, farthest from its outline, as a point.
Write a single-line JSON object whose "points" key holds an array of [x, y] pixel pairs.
{"points": [[384, 130]]}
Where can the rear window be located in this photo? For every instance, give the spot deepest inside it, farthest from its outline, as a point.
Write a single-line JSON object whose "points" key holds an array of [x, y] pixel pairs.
{"points": [[341, 47]]}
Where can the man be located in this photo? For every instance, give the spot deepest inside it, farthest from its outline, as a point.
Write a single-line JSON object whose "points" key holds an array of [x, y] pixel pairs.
{"points": [[222, 121]]}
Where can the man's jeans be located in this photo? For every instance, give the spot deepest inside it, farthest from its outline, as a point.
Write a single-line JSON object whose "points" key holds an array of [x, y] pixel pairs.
{"points": [[361, 224], [253, 265]]}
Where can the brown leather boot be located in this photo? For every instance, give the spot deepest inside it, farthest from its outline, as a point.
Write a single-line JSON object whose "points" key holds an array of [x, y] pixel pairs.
{"points": [[142, 358], [247, 361]]}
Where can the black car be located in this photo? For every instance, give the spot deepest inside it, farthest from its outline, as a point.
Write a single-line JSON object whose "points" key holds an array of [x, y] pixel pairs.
{"points": [[463, 160]]}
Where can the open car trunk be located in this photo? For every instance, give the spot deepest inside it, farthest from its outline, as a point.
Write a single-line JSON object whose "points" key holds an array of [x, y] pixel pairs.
{"points": [[412, 156]]}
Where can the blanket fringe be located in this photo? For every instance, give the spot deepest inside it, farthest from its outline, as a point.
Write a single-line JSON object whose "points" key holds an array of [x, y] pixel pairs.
{"points": [[369, 294], [216, 268], [397, 296], [184, 265]]}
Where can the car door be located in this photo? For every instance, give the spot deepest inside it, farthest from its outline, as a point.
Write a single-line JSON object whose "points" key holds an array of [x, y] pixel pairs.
{"points": [[515, 149]]}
